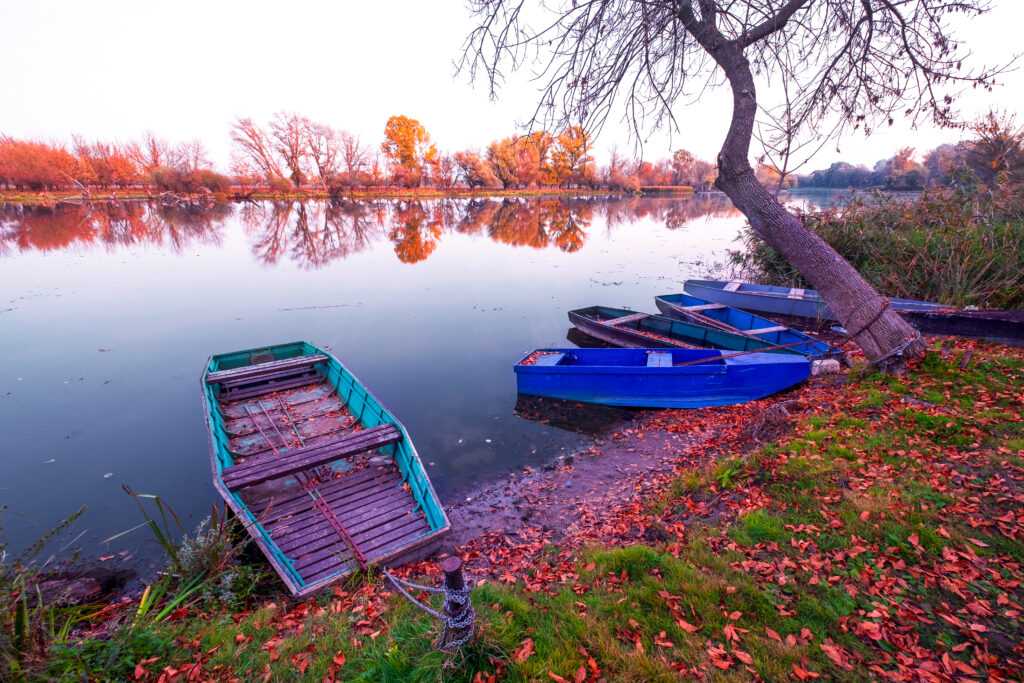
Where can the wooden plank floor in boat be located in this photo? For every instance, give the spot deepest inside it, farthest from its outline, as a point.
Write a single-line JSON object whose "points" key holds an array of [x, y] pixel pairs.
{"points": [[376, 508]]}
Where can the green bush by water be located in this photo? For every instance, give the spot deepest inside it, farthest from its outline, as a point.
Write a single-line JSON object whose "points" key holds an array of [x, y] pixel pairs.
{"points": [[961, 247]]}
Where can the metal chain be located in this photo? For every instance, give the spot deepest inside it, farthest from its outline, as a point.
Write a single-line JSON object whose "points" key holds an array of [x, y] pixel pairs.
{"points": [[453, 598]]}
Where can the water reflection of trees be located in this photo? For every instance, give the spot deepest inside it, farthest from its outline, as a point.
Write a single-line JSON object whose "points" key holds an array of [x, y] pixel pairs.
{"points": [[110, 224], [312, 234], [315, 233]]}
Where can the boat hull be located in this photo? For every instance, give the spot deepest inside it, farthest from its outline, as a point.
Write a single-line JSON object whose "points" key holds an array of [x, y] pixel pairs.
{"points": [[797, 303], [620, 377], [930, 318]]}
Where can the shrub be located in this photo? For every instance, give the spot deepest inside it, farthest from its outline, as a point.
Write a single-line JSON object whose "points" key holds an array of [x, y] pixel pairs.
{"points": [[279, 184], [168, 179], [960, 247]]}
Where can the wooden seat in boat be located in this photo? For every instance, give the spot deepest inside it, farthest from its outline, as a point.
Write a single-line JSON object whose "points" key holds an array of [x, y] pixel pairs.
{"points": [[270, 466]]}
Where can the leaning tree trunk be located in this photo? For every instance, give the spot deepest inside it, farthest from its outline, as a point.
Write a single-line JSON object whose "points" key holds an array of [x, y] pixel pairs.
{"points": [[877, 329]]}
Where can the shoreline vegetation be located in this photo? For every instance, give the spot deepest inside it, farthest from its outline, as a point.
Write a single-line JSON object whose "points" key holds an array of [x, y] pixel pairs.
{"points": [[960, 246], [293, 157], [862, 526]]}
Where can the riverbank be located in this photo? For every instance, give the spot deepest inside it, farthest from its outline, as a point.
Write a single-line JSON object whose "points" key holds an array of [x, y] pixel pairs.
{"points": [[864, 526], [240, 194]]}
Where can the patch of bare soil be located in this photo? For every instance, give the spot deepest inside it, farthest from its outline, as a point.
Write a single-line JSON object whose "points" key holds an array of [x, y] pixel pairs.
{"points": [[615, 470]]}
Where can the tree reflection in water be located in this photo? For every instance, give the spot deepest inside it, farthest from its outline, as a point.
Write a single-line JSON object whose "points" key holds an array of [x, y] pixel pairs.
{"points": [[313, 234], [110, 224]]}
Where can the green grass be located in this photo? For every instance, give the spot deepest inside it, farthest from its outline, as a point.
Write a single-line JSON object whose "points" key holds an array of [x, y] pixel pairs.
{"points": [[855, 512]]}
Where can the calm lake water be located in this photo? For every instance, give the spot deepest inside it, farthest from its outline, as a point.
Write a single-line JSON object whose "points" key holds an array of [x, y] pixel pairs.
{"points": [[108, 314]]}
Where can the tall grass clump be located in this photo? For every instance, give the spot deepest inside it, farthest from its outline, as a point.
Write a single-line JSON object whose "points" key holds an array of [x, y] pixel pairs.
{"points": [[962, 246], [29, 624]]}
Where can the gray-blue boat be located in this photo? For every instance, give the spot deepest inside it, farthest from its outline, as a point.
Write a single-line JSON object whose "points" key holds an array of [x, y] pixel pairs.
{"points": [[739, 322]]}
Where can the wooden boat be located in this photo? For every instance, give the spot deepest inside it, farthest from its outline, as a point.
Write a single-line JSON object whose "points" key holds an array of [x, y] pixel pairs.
{"points": [[623, 327], [928, 317], [702, 311], [324, 478], [659, 377]]}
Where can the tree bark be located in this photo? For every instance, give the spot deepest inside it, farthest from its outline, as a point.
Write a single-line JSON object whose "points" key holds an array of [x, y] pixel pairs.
{"points": [[875, 327]]}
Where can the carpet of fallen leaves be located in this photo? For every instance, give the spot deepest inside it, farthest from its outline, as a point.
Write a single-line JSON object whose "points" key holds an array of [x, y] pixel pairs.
{"points": [[861, 527]]}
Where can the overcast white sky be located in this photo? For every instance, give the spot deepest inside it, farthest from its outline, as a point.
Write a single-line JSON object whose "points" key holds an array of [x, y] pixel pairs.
{"points": [[186, 69]]}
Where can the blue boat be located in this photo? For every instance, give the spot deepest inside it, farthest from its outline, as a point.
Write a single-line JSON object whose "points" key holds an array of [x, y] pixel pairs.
{"points": [[789, 301], [658, 378], [323, 477], [736, 321]]}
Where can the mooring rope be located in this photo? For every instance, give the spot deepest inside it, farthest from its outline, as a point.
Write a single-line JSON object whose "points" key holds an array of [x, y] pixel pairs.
{"points": [[454, 600], [863, 328], [899, 350]]}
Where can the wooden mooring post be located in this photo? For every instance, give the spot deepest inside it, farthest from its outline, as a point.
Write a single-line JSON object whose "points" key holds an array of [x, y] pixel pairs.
{"points": [[460, 619]]}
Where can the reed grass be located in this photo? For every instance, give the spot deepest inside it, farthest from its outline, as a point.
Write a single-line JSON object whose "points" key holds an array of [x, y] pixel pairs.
{"points": [[960, 247]]}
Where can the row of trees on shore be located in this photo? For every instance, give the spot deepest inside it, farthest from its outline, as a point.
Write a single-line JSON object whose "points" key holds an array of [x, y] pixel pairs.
{"points": [[294, 153], [995, 148]]}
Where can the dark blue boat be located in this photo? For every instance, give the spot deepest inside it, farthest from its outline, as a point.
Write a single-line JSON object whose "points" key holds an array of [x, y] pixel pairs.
{"points": [[736, 321], [790, 301], [658, 378], [623, 327]]}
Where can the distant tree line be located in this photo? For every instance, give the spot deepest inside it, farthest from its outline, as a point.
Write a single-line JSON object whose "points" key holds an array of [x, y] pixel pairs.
{"points": [[294, 153], [995, 151]]}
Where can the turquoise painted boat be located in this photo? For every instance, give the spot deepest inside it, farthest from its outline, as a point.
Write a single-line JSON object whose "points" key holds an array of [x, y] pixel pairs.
{"points": [[323, 477]]}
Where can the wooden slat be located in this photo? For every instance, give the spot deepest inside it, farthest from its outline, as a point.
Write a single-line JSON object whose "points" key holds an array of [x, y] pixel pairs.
{"points": [[346, 502], [626, 319], [385, 547], [732, 286], [294, 398], [264, 468], [765, 330], [262, 448], [269, 388], [231, 385], [281, 502], [346, 485], [244, 425], [260, 368], [324, 530], [384, 511], [315, 561], [383, 551], [252, 464]]}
